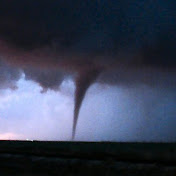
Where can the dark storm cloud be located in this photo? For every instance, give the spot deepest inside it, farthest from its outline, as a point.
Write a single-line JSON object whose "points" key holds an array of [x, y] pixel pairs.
{"points": [[92, 29], [89, 35], [46, 78], [8, 76], [131, 78]]}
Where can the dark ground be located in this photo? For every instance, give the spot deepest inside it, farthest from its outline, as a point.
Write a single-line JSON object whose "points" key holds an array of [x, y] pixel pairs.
{"points": [[21, 158]]}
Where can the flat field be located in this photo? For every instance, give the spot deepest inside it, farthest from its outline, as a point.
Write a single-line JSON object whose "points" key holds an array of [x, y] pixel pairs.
{"points": [[39, 158]]}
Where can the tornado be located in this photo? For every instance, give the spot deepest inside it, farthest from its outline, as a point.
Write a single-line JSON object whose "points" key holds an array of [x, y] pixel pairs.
{"points": [[83, 81]]}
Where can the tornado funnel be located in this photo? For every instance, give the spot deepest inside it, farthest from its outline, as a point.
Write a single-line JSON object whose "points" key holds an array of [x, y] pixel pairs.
{"points": [[83, 81]]}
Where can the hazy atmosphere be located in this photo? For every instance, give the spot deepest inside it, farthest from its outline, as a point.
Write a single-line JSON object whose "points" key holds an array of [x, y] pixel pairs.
{"points": [[108, 113], [88, 70]]}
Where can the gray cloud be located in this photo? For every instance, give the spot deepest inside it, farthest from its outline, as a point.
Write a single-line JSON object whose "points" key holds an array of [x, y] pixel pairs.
{"points": [[46, 78], [140, 76], [8, 76]]}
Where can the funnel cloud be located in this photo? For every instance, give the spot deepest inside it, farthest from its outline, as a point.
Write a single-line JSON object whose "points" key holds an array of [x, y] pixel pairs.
{"points": [[83, 82]]}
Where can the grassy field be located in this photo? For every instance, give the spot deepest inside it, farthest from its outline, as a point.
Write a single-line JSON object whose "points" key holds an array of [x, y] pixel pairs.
{"points": [[86, 158]]}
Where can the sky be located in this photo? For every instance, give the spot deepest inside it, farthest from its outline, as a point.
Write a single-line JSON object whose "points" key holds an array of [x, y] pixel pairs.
{"points": [[88, 70], [108, 113]]}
